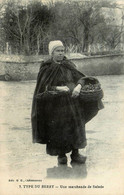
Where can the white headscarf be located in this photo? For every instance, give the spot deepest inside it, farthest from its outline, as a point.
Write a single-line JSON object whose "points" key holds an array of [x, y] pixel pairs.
{"points": [[53, 45]]}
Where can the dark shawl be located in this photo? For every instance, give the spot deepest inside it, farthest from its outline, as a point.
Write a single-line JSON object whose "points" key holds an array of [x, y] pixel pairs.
{"points": [[42, 109]]}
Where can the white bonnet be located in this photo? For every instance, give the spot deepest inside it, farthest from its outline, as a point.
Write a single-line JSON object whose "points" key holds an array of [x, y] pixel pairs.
{"points": [[53, 45]]}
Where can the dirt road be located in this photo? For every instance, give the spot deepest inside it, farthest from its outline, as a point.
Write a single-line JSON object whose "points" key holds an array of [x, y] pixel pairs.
{"points": [[21, 160]]}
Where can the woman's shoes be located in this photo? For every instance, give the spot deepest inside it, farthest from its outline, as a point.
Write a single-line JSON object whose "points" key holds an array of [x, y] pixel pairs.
{"points": [[78, 158], [62, 159]]}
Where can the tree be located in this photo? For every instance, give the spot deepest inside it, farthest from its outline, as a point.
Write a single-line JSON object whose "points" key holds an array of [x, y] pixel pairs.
{"points": [[79, 23], [25, 26], [2, 34], [85, 24], [65, 26]]}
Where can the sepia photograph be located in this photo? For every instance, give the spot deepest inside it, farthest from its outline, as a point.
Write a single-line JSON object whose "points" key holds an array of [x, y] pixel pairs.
{"points": [[62, 97]]}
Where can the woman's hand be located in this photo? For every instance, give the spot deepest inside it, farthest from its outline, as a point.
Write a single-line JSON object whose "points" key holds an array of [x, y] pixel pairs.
{"points": [[76, 91], [62, 88]]}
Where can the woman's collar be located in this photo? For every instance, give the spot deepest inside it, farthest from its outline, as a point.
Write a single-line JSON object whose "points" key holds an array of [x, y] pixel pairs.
{"points": [[59, 62]]}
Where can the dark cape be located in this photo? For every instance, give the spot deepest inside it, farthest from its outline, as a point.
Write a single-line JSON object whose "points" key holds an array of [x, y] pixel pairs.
{"points": [[59, 121]]}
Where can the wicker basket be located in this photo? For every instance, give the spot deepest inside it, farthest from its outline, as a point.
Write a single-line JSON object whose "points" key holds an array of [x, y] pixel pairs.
{"points": [[92, 90]]}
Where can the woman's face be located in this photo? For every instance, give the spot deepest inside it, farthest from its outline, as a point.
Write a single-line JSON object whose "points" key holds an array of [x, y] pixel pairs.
{"points": [[58, 54]]}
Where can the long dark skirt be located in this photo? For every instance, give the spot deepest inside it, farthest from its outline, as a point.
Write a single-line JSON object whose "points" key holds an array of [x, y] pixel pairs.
{"points": [[65, 125]]}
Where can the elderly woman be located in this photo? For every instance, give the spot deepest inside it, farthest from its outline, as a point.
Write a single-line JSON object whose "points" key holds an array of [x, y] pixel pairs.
{"points": [[59, 120]]}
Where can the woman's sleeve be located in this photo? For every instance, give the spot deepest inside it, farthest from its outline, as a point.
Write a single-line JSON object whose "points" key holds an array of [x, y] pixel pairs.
{"points": [[81, 81], [78, 77]]}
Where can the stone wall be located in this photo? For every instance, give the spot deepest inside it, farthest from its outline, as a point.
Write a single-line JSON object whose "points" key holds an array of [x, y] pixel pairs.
{"points": [[22, 71], [18, 67], [93, 65], [101, 65], [19, 70]]}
